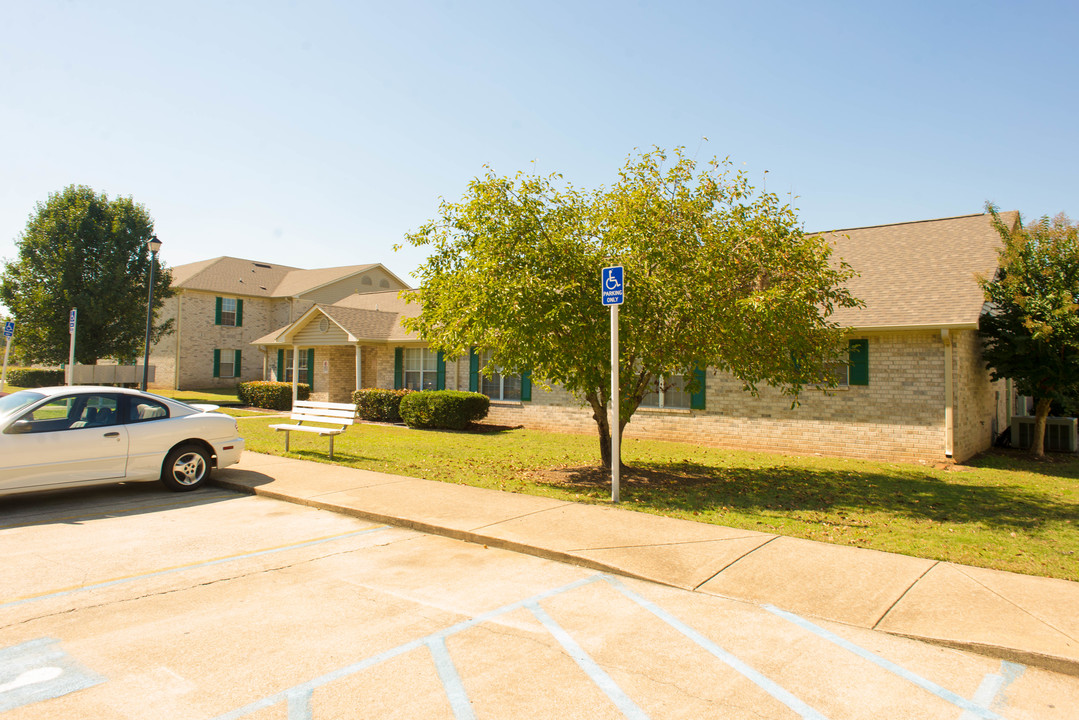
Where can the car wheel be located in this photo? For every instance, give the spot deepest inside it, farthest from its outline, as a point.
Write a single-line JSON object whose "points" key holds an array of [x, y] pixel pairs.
{"points": [[185, 468]]}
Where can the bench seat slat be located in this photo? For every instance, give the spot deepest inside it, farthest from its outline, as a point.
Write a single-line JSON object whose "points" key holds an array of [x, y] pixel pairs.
{"points": [[323, 413], [340, 422], [310, 429], [324, 405]]}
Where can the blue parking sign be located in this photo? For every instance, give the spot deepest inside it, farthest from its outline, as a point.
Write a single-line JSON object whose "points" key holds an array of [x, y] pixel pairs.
{"points": [[611, 285], [9, 328]]}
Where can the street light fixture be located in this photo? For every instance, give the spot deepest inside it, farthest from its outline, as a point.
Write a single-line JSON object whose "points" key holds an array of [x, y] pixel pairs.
{"points": [[154, 244]]}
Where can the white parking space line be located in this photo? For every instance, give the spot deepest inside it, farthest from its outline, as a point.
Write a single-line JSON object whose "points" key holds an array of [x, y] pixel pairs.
{"points": [[602, 680], [974, 708], [763, 682], [181, 568], [441, 635], [451, 679], [992, 685], [40, 670]]}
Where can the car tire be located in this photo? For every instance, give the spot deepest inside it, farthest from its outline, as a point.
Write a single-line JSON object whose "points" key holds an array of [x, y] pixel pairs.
{"points": [[186, 468]]}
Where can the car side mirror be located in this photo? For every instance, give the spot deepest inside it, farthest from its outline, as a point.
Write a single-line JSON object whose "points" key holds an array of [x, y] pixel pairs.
{"points": [[20, 426]]}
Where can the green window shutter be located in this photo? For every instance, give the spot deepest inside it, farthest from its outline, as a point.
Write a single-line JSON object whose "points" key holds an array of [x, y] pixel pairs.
{"points": [[398, 368], [239, 312], [473, 371], [237, 366], [696, 400], [217, 311], [526, 385], [859, 362], [280, 365], [440, 379], [311, 368], [217, 363]]}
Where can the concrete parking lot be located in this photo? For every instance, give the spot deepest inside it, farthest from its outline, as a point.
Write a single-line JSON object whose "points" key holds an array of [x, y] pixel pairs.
{"points": [[129, 602]]}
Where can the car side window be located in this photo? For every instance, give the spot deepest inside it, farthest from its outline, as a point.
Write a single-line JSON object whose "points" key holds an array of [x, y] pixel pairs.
{"points": [[141, 409], [97, 411], [71, 412]]}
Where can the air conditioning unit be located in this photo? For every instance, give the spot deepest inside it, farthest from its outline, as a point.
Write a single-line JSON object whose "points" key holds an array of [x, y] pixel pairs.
{"points": [[1061, 434]]}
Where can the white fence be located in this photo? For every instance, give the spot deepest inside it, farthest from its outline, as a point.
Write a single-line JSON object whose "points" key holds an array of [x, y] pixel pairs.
{"points": [[109, 374]]}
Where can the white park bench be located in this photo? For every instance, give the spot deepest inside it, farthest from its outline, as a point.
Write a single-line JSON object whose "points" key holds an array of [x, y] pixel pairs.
{"points": [[332, 418]]}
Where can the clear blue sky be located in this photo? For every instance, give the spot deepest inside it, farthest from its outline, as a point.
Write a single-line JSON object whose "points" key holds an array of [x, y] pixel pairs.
{"points": [[319, 133]]}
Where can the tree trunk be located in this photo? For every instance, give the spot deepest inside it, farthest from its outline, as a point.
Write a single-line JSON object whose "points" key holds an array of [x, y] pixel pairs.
{"points": [[603, 424], [1041, 413]]}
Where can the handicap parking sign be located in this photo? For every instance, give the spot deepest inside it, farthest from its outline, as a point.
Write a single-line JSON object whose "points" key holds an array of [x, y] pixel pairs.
{"points": [[9, 328], [611, 285]]}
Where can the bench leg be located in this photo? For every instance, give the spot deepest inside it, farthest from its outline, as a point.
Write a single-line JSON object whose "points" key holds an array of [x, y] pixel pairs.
{"points": [[331, 447], [286, 441]]}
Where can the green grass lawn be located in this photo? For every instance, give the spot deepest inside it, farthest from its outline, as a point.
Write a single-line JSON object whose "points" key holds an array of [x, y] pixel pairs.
{"points": [[999, 510], [212, 397]]}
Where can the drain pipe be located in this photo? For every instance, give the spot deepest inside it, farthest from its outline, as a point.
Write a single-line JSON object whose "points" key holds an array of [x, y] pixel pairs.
{"points": [[949, 409]]}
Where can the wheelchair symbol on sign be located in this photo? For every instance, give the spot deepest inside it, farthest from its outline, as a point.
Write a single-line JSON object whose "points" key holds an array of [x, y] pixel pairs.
{"points": [[611, 283]]}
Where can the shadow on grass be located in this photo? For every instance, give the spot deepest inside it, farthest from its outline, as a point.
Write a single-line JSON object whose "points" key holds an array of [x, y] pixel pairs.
{"points": [[693, 487], [1055, 464]]}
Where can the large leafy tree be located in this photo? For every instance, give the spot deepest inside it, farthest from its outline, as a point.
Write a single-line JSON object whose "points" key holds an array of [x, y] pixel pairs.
{"points": [[82, 250], [716, 275], [1031, 323]]}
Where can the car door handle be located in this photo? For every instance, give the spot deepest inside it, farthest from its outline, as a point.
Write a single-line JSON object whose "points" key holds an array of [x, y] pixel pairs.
{"points": [[112, 434]]}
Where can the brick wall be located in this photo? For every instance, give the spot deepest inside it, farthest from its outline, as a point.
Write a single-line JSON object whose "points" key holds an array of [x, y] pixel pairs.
{"points": [[898, 416], [199, 337], [981, 404]]}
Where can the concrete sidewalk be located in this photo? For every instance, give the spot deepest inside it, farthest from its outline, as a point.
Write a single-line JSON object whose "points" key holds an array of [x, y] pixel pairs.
{"points": [[1031, 620]]}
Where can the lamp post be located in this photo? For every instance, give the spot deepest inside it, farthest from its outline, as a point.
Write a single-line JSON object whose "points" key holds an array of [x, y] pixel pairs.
{"points": [[154, 244]]}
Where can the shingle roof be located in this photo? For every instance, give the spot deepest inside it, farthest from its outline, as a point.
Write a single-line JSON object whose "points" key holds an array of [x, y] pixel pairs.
{"points": [[918, 273], [236, 276], [374, 317]]}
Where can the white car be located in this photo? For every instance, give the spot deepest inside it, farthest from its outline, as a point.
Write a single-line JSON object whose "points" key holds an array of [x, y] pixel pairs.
{"points": [[63, 437]]}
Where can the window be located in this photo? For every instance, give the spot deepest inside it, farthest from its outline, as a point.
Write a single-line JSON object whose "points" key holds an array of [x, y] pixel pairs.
{"points": [[840, 371], [420, 369], [72, 412], [856, 370], [227, 363], [229, 312], [144, 410], [499, 386], [304, 374], [667, 391]]}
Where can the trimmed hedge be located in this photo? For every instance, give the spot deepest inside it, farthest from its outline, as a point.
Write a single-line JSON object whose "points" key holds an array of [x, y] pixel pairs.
{"points": [[378, 405], [35, 377], [270, 395], [450, 409]]}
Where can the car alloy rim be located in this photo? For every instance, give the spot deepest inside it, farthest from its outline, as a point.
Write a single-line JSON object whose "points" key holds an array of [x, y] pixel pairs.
{"points": [[189, 468]]}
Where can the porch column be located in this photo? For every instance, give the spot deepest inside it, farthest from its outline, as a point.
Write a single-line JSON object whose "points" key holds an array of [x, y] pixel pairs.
{"points": [[296, 373], [949, 409]]}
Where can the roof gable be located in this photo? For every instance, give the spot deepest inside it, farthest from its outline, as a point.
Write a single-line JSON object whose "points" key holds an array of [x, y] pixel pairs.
{"points": [[236, 276]]}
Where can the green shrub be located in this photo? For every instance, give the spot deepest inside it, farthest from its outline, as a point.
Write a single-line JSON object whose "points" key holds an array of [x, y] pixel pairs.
{"points": [[449, 409], [379, 405], [270, 395], [35, 377]]}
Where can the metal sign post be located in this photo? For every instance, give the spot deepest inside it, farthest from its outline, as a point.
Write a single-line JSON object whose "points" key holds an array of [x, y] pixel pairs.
{"points": [[611, 290], [72, 318], [9, 330]]}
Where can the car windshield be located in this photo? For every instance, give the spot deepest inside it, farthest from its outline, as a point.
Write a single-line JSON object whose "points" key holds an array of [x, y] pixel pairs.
{"points": [[17, 401]]}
